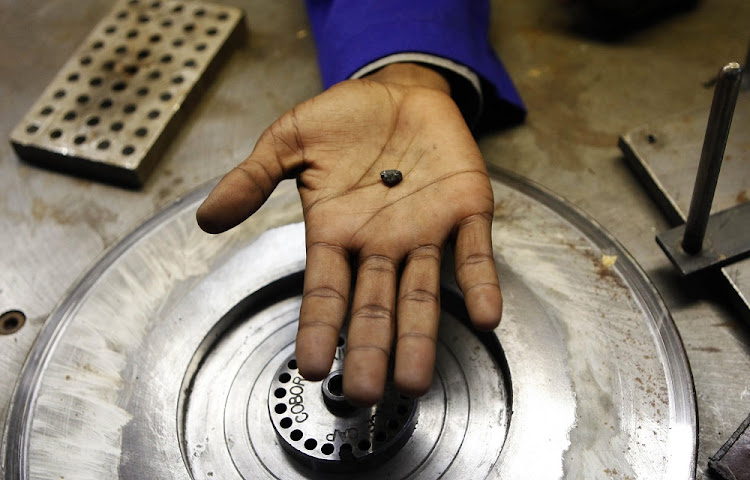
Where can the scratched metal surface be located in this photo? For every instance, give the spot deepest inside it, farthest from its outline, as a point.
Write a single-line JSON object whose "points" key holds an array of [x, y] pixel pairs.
{"points": [[598, 375], [582, 94]]}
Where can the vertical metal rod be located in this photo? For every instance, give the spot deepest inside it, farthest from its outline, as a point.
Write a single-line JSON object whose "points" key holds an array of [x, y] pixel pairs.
{"points": [[717, 131]]}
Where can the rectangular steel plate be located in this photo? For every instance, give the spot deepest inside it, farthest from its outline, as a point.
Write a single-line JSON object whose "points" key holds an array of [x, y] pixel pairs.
{"points": [[109, 110], [665, 157]]}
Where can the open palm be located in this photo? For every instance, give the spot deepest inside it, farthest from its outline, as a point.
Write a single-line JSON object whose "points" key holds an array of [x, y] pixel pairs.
{"points": [[336, 145]]}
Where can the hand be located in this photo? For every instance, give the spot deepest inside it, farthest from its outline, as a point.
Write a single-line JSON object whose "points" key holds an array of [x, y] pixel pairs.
{"points": [[336, 144]]}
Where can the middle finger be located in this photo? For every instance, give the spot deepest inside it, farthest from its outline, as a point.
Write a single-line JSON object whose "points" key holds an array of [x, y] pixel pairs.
{"points": [[370, 330], [418, 318]]}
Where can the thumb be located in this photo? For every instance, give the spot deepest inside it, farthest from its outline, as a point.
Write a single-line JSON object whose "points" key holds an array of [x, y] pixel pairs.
{"points": [[245, 188]]}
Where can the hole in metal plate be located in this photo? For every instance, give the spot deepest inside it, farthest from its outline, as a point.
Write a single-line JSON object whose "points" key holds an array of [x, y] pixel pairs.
{"points": [[11, 322]]}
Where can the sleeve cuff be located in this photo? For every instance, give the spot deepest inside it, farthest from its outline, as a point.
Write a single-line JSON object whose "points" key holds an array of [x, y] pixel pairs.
{"points": [[466, 88]]}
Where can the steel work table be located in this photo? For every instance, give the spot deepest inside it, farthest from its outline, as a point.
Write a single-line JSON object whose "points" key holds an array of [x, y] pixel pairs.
{"points": [[581, 95]]}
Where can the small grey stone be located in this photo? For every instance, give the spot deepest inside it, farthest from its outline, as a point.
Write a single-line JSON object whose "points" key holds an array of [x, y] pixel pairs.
{"points": [[391, 177]]}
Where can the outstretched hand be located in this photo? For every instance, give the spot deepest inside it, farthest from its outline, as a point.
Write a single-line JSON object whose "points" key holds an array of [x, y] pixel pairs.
{"points": [[336, 145]]}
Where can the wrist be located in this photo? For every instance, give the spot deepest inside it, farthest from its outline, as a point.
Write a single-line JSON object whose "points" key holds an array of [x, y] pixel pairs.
{"points": [[411, 74]]}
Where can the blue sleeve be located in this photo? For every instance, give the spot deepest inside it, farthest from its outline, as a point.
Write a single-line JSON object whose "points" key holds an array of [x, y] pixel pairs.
{"points": [[353, 33]]}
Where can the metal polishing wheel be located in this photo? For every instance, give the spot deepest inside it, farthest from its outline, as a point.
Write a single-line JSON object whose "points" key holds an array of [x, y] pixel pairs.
{"points": [[174, 358]]}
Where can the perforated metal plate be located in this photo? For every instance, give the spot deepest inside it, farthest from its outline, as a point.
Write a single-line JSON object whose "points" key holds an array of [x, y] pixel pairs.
{"points": [[107, 112]]}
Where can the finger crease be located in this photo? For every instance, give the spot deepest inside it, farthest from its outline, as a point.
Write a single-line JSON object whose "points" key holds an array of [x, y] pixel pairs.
{"points": [[372, 311], [324, 292], [426, 256], [476, 259], [382, 350], [377, 261], [479, 218], [482, 284], [424, 252], [252, 178], [421, 295], [297, 134], [269, 175], [315, 324], [328, 246], [379, 269], [417, 335]]}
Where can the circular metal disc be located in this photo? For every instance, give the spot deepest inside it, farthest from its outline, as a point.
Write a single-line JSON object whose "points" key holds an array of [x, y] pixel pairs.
{"points": [[319, 428], [161, 361]]}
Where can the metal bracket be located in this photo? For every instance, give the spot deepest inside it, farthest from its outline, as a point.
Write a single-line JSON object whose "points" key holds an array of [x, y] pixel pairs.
{"points": [[731, 461], [729, 237], [727, 240]]}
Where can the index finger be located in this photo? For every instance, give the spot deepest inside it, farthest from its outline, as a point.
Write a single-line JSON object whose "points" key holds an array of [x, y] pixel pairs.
{"points": [[418, 318]]}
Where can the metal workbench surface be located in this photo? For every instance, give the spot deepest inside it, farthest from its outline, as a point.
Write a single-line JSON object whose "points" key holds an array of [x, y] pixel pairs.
{"points": [[581, 93]]}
